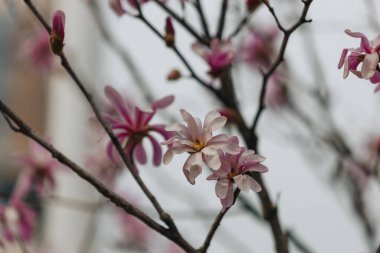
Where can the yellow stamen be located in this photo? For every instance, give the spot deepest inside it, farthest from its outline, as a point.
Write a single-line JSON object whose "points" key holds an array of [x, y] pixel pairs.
{"points": [[198, 145]]}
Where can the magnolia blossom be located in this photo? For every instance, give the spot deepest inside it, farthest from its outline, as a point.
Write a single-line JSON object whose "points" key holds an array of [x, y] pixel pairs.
{"points": [[367, 54], [276, 95], [218, 57], [57, 34], [131, 125], [257, 48], [17, 221], [198, 140], [37, 48], [233, 171], [40, 169], [135, 232]]}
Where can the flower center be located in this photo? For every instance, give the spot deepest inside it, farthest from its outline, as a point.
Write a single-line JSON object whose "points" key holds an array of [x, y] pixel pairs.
{"points": [[198, 145], [232, 174]]}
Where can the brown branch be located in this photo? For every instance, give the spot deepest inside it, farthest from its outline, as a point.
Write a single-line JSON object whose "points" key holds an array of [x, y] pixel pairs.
{"points": [[165, 217], [198, 7], [100, 187], [222, 19]]}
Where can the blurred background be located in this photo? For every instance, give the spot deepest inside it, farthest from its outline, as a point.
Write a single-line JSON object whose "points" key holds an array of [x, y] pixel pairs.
{"points": [[319, 133]]}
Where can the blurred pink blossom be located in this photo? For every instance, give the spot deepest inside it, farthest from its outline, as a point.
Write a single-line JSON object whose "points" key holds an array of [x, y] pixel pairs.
{"points": [[276, 95], [131, 126], [40, 168], [17, 221], [218, 57], [37, 48], [198, 140], [257, 48], [367, 54], [232, 171]]}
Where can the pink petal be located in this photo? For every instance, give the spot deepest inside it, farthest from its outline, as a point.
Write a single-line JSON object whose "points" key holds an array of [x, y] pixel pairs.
{"points": [[140, 153], [115, 98], [221, 188], [157, 151], [369, 65], [117, 7], [364, 44], [163, 103], [245, 183], [342, 58], [193, 167], [229, 199]]}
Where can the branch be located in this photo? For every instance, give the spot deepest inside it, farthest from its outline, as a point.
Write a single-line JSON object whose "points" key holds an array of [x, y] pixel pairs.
{"points": [[65, 64], [198, 7], [100, 187], [222, 19]]}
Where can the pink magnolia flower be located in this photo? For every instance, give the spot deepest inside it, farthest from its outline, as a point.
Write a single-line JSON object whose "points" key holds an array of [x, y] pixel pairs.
{"points": [[40, 169], [218, 57], [232, 171], [37, 48], [367, 54], [257, 48], [276, 95], [57, 34], [17, 220], [131, 125], [199, 142]]}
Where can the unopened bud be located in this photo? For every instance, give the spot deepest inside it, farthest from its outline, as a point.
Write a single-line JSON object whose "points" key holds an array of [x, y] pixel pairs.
{"points": [[169, 32], [174, 75], [57, 34]]}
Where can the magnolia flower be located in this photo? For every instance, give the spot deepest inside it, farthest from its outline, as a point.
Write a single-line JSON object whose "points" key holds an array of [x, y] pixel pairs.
{"points": [[218, 57], [37, 48], [276, 95], [131, 125], [57, 34], [367, 54], [17, 221], [40, 169], [199, 142], [257, 48], [135, 232], [233, 171]]}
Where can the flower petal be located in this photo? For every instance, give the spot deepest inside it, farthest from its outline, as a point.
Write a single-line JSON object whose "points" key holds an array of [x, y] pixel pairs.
{"points": [[221, 188], [369, 65]]}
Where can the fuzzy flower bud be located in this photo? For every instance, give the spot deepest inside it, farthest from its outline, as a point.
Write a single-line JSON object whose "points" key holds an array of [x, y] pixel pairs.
{"points": [[57, 34], [169, 33], [174, 75]]}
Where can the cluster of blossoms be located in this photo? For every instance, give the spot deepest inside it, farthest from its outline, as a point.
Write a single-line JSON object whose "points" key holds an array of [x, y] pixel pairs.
{"points": [[221, 153], [132, 124], [367, 55]]}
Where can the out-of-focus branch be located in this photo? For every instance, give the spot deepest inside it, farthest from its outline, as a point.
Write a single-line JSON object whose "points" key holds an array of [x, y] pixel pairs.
{"points": [[222, 19], [198, 7]]}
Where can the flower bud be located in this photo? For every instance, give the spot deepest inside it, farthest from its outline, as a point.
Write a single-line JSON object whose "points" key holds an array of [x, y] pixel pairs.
{"points": [[169, 33], [174, 75], [57, 34]]}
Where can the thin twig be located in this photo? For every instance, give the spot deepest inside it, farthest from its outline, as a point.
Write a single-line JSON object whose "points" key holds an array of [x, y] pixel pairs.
{"points": [[222, 19], [198, 7]]}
